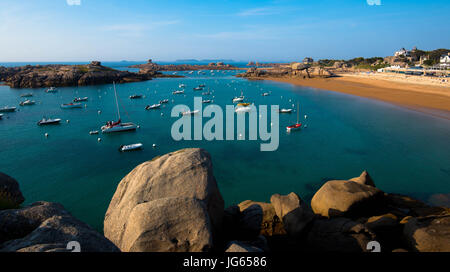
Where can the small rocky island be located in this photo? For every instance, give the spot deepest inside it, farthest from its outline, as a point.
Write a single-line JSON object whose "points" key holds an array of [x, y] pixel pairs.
{"points": [[151, 66], [294, 70], [56, 75], [173, 204]]}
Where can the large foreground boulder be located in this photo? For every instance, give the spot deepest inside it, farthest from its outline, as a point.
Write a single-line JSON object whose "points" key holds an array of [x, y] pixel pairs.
{"points": [[428, 234], [187, 175], [346, 198], [168, 225], [10, 195], [48, 227], [293, 212]]}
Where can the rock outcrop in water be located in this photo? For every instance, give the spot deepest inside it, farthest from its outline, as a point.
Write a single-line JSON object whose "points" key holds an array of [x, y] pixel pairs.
{"points": [[296, 70], [150, 67], [173, 203], [40, 76]]}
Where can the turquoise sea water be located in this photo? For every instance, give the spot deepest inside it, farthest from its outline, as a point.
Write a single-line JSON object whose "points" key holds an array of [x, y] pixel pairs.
{"points": [[405, 151]]}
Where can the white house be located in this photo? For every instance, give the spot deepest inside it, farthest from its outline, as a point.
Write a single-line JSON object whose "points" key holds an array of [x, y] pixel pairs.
{"points": [[402, 52], [445, 60]]}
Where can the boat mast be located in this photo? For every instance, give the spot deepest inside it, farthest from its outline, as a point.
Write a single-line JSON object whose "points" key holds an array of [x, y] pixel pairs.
{"points": [[117, 102], [298, 112]]}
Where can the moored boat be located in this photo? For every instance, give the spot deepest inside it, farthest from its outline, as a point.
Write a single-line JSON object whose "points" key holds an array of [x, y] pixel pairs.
{"points": [[238, 99], [1, 116], [111, 126], [265, 94], [191, 112], [207, 101], [72, 106], [181, 86], [164, 101], [198, 89], [285, 111], [206, 93], [27, 95], [136, 96], [51, 90], [27, 103], [298, 125], [8, 109], [94, 132], [178, 92], [80, 99], [153, 107], [50, 121], [131, 147]]}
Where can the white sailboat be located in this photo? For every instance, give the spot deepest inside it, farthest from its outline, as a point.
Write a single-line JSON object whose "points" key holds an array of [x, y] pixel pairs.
{"points": [[118, 126]]}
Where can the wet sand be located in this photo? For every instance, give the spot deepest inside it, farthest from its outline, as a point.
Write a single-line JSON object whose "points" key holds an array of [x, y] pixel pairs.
{"points": [[430, 99]]}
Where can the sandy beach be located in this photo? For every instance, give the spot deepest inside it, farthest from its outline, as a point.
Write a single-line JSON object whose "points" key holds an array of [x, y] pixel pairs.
{"points": [[430, 97]]}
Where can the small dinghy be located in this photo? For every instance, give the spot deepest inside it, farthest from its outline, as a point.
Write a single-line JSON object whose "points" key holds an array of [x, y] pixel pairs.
{"points": [[51, 90], [80, 99], [45, 122], [265, 94], [132, 147], [202, 86], [27, 103], [8, 109], [190, 112], [72, 106], [206, 101], [27, 95], [1, 116], [94, 132], [181, 86], [285, 111], [136, 96], [165, 101], [243, 109], [198, 89], [153, 107], [178, 92]]}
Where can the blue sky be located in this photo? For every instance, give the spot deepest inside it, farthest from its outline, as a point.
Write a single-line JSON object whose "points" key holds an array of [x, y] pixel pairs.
{"points": [[279, 30]]}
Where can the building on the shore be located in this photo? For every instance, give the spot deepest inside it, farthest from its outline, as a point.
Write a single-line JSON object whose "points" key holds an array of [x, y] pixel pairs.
{"points": [[308, 61], [402, 53], [445, 61]]}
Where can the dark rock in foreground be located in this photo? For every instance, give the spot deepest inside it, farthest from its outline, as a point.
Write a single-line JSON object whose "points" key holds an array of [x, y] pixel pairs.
{"points": [[10, 194], [47, 227]]}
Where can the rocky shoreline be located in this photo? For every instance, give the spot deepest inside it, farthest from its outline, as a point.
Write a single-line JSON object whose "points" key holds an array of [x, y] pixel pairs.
{"points": [[295, 70], [40, 76], [173, 204]]}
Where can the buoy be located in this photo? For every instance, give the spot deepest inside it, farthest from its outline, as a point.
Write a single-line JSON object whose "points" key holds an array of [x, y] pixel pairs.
{"points": [[154, 145], [162, 114], [46, 135], [138, 126], [99, 112], [99, 139], [306, 126], [67, 121], [306, 116]]}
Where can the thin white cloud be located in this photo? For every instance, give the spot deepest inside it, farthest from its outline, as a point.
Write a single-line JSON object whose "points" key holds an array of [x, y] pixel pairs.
{"points": [[73, 2], [259, 12]]}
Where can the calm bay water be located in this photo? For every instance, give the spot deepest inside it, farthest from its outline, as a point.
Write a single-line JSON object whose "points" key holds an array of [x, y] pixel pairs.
{"points": [[405, 151]]}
